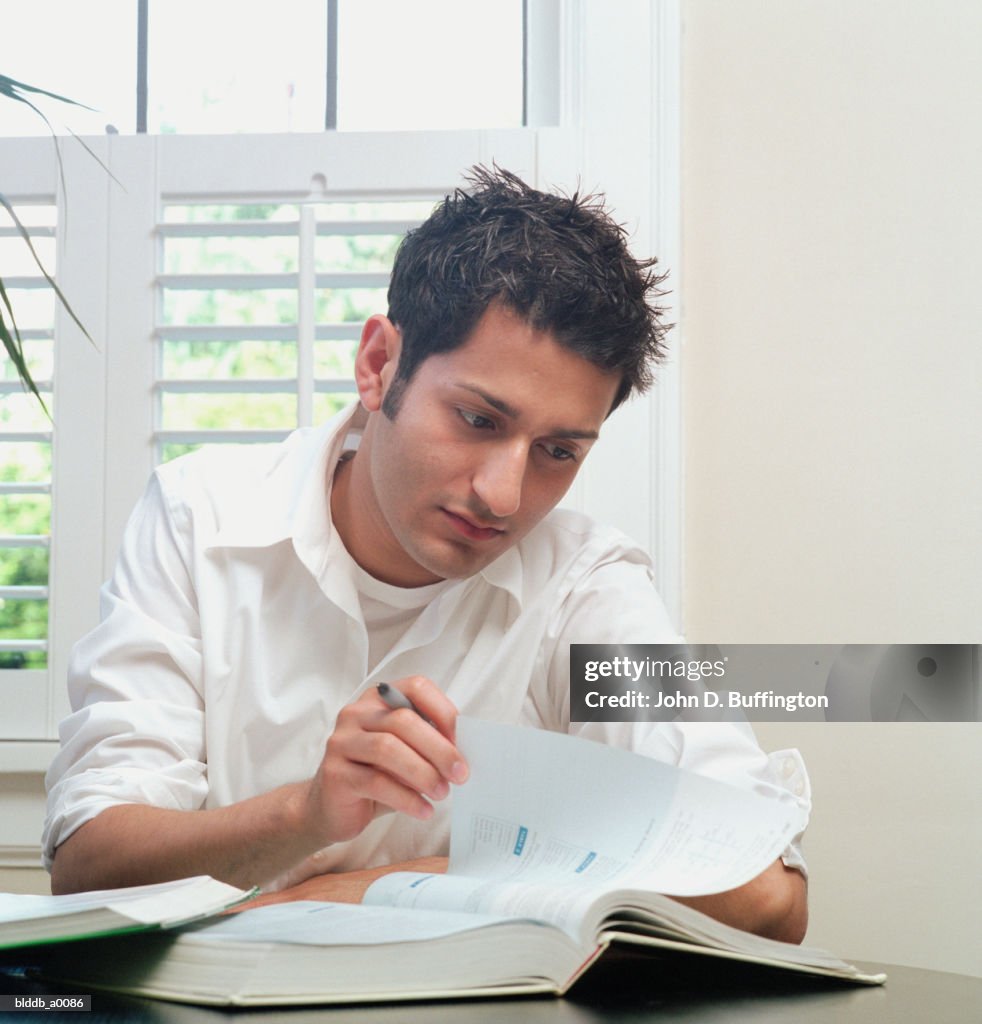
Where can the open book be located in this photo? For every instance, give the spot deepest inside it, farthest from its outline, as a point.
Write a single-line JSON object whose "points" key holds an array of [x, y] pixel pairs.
{"points": [[560, 847], [26, 920]]}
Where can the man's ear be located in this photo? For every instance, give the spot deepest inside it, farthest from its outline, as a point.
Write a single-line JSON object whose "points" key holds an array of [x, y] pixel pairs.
{"points": [[377, 359]]}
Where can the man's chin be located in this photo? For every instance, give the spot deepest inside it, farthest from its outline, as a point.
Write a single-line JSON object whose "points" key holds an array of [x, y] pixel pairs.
{"points": [[458, 564]]}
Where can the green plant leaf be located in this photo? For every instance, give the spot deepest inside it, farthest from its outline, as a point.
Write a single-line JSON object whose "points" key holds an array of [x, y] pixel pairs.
{"points": [[14, 95], [15, 90], [95, 156], [12, 88], [9, 87], [15, 348], [37, 259]]}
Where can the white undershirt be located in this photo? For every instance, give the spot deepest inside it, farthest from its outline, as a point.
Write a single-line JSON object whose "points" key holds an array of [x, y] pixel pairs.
{"points": [[389, 611]]}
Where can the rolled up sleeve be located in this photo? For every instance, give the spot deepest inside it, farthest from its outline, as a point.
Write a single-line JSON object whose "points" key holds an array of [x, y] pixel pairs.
{"points": [[136, 732]]}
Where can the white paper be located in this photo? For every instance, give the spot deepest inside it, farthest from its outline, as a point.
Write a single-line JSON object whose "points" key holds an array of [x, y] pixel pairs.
{"points": [[547, 807]]}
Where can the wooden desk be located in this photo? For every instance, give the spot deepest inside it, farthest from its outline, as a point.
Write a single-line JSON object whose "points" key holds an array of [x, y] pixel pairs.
{"points": [[613, 993]]}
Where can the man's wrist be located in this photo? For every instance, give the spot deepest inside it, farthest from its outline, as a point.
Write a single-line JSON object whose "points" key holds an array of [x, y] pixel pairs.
{"points": [[300, 821]]}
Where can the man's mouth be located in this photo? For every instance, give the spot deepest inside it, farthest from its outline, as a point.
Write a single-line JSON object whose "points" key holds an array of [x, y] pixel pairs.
{"points": [[470, 528]]}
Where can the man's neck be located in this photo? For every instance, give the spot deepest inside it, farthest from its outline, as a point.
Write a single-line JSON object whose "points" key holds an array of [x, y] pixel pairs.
{"points": [[363, 531]]}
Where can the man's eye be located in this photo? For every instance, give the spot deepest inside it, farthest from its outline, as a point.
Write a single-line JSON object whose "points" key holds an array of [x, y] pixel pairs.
{"points": [[559, 453], [476, 420]]}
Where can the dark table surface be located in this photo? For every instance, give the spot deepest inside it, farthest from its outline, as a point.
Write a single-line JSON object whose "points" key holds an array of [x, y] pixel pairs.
{"points": [[624, 990]]}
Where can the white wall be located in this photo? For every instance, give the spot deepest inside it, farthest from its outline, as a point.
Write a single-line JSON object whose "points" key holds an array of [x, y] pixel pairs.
{"points": [[893, 842], [832, 382]]}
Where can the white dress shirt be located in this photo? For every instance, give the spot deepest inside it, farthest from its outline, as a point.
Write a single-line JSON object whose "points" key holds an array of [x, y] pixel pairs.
{"points": [[233, 632]]}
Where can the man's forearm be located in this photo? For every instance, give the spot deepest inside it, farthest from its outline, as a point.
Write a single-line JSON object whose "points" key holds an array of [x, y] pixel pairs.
{"points": [[244, 844], [774, 904]]}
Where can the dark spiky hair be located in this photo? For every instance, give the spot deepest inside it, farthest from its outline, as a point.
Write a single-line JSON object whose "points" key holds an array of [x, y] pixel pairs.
{"points": [[560, 262]]}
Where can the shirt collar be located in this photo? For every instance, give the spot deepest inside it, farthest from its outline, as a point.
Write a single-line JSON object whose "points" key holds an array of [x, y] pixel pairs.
{"points": [[289, 497]]}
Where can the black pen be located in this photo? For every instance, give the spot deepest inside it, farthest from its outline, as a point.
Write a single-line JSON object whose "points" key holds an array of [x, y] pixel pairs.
{"points": [[397, 699]]}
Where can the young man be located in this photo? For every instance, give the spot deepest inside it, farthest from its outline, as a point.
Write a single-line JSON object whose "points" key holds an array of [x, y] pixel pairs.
{"points": [[226, 719]]}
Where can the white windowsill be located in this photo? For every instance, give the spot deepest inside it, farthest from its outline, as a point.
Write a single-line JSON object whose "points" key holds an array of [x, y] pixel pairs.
{"points": [[26, 757]]}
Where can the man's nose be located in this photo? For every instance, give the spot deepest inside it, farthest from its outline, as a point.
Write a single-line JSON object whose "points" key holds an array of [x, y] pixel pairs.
{"points": [[499, 479]]}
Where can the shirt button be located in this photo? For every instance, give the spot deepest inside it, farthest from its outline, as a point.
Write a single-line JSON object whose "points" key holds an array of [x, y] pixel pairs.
{"points": [[799, 789], [788, 767]]}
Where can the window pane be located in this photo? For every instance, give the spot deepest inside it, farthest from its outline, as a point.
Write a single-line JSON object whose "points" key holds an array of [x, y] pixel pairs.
{"points": [[34, 307], [221, 66], [23, 628], [22, 514], [209, 213], [20, 411], [230, 255], [334, 359], [25, 442], [356, 252], [16, 258], [228, 360], [350, 305], [38, 354], [429, 64], [328, 405], [27, 462], [214, 67], [236, 411], [84, 51], [224, 306], [414, 210], [21, 567]]}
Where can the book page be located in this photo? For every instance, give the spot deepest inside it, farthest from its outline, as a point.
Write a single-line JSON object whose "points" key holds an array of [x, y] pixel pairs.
{"points": [[147, 904], [571, 909], [547, 807], [309, 923]]}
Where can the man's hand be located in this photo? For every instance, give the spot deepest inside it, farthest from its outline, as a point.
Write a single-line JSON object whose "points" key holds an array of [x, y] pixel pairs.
{"points": [[380, 759]]}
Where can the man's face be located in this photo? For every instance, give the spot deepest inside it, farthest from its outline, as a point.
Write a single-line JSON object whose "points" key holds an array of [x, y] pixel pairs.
{"points": [[487, 439]]}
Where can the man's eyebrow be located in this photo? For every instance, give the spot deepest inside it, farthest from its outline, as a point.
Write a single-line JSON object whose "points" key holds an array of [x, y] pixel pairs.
{"points": [[496, 403], [513, 414]]}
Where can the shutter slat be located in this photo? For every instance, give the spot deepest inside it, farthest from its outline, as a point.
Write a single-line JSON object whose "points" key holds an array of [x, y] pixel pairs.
{"points": [[273, 282], [24, 593]]}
